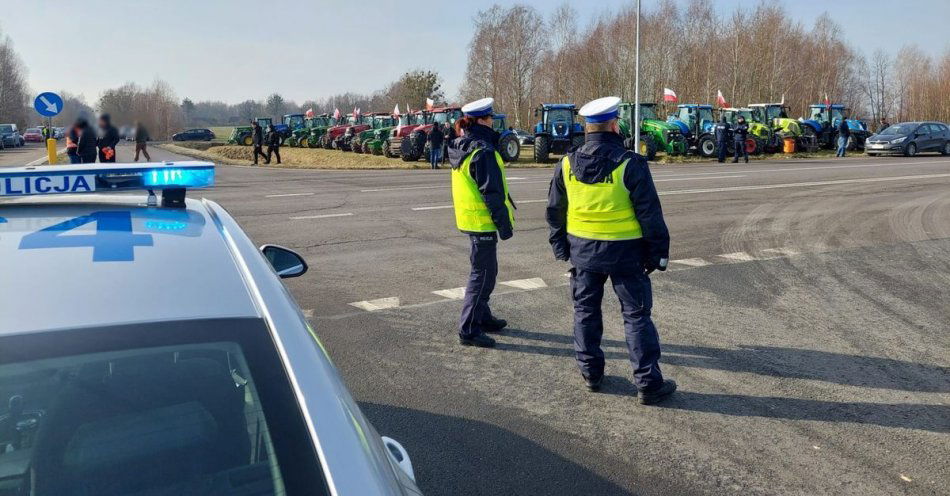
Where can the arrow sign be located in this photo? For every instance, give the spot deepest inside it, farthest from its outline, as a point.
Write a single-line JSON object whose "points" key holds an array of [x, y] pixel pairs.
{"points": [[48, 104]]}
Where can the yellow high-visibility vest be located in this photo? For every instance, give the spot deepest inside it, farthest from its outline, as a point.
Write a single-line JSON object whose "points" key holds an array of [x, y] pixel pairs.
{"points": [[600, 211], [471, 212]]}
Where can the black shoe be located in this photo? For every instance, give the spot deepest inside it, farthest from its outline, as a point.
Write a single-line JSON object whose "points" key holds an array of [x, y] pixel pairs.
{"points": [[658, 394], [593, 384], [478, 340], [494, 325]]}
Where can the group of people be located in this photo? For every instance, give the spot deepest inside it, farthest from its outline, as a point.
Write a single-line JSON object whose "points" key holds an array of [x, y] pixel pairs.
{"points": [[272, 139], [605, 220], [84, 144], [738, 135]]}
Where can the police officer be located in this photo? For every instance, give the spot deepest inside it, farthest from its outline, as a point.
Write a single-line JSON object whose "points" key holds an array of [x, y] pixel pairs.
{"points": [[605, 218], [722, 130], [739, 136], [484, 211]]}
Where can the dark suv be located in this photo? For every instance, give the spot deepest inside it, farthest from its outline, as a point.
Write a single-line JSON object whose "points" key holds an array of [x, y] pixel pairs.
{"points": [[194, 135], [910, 138]]}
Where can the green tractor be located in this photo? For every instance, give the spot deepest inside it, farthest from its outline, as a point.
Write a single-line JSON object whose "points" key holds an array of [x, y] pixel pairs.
{"points": [[241, 135], [301, 136], [774, 117], [380, 123], [320, 128], [759, 133], [655, 134]]}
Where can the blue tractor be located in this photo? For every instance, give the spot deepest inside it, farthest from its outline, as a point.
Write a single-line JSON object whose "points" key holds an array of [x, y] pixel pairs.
{"points": [[508, 145], [557, 131], [696, 124], [822, 123]]}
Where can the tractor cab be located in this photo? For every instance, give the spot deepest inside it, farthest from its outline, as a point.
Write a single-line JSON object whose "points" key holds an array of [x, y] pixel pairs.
{"points": [[557, 130], [770, 125], [823, 121], [294, 121], [732, 114], [655, 134], [696, 124], [447, 116], [831, 114], [264, 122], [416, 146]]}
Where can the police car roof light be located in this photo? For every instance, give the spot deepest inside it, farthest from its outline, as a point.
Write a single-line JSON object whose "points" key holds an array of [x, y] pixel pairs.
{"points": [[173, 178]]}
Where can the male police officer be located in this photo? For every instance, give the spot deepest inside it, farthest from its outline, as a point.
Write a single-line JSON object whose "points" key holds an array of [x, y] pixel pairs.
{"points": [[606, 219], [484, 211], [722, 130]]}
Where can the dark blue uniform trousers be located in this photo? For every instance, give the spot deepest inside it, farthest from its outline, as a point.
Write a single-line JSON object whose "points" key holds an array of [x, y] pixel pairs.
{"points": [[636, 302], [722, 148], [481, 282]]}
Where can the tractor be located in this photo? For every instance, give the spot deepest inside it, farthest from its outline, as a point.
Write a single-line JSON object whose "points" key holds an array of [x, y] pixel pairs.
{"points": [[381, 122], [331, 139], [361, 123], [557, 130], [416, 146], [655, 135], [241, 135], [392, 144], [759, 133], [696, 124], [508, 145], [776, 127], [320, 128], [822, 123], [301, 136]]}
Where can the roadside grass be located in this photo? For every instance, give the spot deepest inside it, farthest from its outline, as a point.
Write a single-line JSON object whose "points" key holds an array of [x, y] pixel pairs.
{"points": [[221, 133]]}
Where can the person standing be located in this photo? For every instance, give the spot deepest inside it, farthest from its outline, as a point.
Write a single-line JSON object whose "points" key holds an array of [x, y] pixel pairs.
{"points": [[273, 143], [257, 140], [72, 144], [606, 220], [86, 142], [740, 135], [108, 139], [722, 130], [884, 125], [844, 132], [484, 211], [141, 141], [435, 139]]}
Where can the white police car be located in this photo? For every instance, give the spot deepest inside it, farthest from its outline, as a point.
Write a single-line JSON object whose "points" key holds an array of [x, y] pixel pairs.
{"points": [[153, 350]]}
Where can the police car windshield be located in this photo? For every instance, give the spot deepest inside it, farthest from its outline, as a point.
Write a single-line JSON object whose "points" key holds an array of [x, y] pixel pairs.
{"points": [[82, 409]]}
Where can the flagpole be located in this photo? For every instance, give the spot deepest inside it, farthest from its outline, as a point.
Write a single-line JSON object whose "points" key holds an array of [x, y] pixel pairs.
{"points": [[636, 89]]}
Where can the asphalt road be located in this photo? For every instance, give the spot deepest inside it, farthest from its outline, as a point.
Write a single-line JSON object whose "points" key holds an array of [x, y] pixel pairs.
{"points": [[22, 155], [805, 317]]}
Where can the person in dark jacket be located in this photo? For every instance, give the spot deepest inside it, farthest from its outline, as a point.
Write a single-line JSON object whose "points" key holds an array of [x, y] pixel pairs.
{"points": [[72, 144], [450, 135], [273, 143], [884, 125], [86, 142], [605, 219], [435, 139], [141, 142], [484, 211], [740, 134], [108, 139], [722, 132], [844, 132], [257, 140]]}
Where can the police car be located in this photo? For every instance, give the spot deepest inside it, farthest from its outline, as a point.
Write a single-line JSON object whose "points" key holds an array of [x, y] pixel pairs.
{"points": [[147, 347]]}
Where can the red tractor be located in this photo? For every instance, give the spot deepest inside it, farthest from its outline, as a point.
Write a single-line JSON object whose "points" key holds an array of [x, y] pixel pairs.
{"points": [[392, 147], [331, 139], [415, 146], [354, 128]]}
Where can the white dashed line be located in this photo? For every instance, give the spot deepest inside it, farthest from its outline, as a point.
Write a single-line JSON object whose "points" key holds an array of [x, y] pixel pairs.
{"points": [[788, 252], [692, 262], [533, 283], [452, 294], [284, 195], [378, 304], [323, 216], [695, 178], [437, 207], [739, 256]]}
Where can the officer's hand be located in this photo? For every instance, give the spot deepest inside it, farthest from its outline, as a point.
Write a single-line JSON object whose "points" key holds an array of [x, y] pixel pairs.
{"points": [[505, 234]]}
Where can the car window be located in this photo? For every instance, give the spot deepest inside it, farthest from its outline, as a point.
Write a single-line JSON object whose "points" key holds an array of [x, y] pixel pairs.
{"points": [[115, 411]]}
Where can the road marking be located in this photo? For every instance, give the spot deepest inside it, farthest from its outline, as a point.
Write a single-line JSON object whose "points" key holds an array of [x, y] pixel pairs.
{"points": [[692, 262], [377, 304], [697, 178], [452, 294], [308, 313], [323, 216], [739, 256], [533, 283], [795, 169], [801, 185], [438, 207], [788, 252], [288, 194], [439, 186], [531, 201]]}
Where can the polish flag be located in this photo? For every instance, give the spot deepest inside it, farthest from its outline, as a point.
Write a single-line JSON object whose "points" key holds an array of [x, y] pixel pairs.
{"points": [[669, 96], [827, 101], [309, 113], [720, 100], [337, 114], [396, 110], [430, 103]]}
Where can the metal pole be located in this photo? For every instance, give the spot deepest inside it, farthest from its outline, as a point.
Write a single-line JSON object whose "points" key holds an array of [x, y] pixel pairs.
{"points": [[636, 89]]}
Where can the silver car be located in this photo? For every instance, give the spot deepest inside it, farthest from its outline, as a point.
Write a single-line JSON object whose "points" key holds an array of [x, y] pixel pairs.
{"points": [[147, 347]]}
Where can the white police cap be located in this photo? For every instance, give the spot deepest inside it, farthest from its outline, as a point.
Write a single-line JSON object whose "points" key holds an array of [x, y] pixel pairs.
{"points": [[601, 109], [479, 108]]}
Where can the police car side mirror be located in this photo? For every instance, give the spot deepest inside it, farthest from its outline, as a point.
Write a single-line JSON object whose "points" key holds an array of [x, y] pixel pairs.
{"points": [[286, 262]]}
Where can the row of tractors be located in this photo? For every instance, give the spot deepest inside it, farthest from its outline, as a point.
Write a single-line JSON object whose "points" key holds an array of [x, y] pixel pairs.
{"points": [[688, 131]]}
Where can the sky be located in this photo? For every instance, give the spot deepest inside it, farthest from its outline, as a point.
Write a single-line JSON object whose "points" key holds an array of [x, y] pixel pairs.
{"points": [[232, 50]]}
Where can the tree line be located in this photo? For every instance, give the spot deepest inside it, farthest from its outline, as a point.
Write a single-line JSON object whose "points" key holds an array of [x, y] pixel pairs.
{"points": [[754, 55]]}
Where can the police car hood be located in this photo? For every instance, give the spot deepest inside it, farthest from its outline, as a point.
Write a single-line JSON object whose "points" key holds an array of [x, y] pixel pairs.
{"points": [[476, 137], [598, 157]]}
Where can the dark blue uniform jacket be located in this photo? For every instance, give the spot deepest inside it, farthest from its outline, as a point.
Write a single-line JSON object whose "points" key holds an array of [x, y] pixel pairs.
{"points": [[484, 170], [591, 163]]}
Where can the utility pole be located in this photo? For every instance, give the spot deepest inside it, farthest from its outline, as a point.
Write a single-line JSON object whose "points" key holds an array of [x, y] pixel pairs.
{"points": [[636, 89]]}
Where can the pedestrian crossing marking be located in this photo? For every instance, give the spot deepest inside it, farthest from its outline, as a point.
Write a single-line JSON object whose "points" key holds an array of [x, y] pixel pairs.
{"points": [[377, 304], [452, 294], [739, 256], [692, 262], [533, 283]]}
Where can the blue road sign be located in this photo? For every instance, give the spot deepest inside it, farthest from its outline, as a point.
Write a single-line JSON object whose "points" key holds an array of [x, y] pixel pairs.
{"points": [[48, 104]]}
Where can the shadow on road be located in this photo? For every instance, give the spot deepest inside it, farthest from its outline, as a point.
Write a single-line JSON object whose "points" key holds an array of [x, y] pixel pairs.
{"points": [[452, 455]]}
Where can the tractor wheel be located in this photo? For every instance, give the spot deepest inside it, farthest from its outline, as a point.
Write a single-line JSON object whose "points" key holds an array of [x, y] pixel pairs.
{"points": [[366, 148], [387, 151], [852, 144], [247, 141], [706, 146], [304, 142], [356, 146], [413, 147], [509, 148], [542, 148], [647, 148], [759, 147]]}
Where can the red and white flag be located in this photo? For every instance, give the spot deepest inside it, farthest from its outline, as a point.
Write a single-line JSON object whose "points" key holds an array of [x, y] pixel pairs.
{"points": [[396, 110], [669, 96], [336, 114], [827, 101], [309, 113], [430, 103], [720, 100], [408, 110], [356, 112]]}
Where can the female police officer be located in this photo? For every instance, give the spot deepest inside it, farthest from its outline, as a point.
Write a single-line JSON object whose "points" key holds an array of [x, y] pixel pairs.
{"points": [[484, 211]]}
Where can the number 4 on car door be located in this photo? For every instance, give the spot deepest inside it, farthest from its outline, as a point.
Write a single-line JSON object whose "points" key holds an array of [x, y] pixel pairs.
{"points": [[112, 242]]}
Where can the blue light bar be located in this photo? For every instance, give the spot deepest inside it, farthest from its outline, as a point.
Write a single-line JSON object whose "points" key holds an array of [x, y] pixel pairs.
{"points": [[92, 178]]}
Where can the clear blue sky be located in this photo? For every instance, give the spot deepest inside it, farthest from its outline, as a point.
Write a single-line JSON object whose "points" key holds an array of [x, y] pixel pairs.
{"points": [[237, 49]]}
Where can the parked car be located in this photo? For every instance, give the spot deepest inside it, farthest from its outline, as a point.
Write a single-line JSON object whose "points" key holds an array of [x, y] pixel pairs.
{"points": [[11, 135], [523, 137], [199, 134], [33, 134], [910, 138], [127, 133]]}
